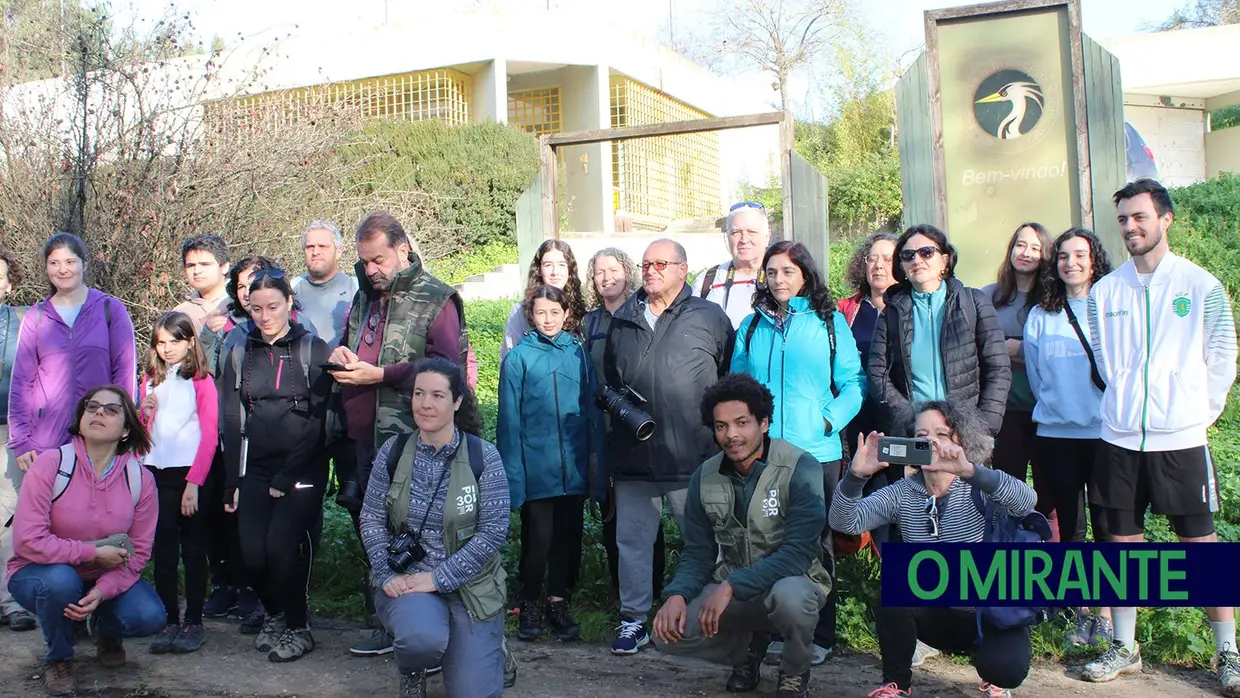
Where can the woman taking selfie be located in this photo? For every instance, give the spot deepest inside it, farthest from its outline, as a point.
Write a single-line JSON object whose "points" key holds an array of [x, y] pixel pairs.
{"points": [[273, 400], [937, 505], [553, 265], [433, 522], [82, 534]]}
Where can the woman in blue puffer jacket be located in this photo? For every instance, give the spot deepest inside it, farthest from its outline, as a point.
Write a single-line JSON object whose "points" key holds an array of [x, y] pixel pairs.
{"points": [[548, 436], [803, 351]]}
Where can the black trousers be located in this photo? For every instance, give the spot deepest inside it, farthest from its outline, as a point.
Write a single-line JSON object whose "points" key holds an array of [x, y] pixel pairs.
{"points": [[1066, 465], [223, 540], [357, 464], [658, 569], [1014, 453], [867, 420], [179, 539], [1002, 657], [276, 543], [551, 531]]}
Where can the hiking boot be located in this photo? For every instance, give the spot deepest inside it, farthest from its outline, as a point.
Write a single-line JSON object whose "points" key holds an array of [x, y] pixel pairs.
{"points": [[111, 652], [631, 638], [745, 677], [222, 600], [19, 621], [1103, 632], [820, 654], [413, 685], [292, 645], [377, 642], [1115, 662], [58, 678], [510, 667], [191, 638], [247, 604], [162, 643], [793, 686], [561, 620], [529, 621], [774, 652], [989, 690], [922, 653], [889, 691], [1082, 630], [269, 635], [1227, 669], [253, 623]]}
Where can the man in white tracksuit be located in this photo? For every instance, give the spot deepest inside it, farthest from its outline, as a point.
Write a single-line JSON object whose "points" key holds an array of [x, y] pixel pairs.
{"points": [[1165, 341]]}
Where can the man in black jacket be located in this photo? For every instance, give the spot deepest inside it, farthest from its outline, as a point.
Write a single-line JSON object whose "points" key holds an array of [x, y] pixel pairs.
{"points": [[665, 348]]}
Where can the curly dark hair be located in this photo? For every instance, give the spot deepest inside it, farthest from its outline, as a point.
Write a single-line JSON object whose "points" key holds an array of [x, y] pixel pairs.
{"points": [[10, 266], [940, 241], [738, 387], [1005, 284], [572, 287], [856, 275], [969, 430], [1054, 290], [815, 288], [246, 263], [547, 292], [468, 418]]}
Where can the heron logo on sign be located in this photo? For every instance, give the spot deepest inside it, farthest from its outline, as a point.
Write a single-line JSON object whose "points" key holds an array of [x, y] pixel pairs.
{"points": [[1008, 104]]}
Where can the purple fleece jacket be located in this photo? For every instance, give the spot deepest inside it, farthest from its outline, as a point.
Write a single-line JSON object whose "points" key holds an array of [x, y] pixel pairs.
{"points": [[56, 365]]}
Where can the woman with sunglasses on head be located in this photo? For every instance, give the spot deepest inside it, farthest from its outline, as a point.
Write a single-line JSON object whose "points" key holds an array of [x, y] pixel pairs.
{"points": [[1068, 393], [938, 504], [798, 346], [273, 402], [553, 265], [82, 534], [937, 339]]}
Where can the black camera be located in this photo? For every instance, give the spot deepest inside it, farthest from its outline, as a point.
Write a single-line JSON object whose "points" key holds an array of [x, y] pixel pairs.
{"points": [[621, 409], [404, 551]]}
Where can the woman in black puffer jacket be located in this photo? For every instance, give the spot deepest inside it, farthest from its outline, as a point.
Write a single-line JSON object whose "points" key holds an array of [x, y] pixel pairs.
{"points": [[937, 339]]}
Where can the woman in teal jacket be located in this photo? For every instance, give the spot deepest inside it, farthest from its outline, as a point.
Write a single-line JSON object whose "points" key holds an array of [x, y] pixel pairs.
{"points": [[547, 436], [803, 351]]}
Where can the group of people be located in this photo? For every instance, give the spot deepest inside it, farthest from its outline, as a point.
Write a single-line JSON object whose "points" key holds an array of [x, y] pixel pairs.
{"points": [[749, 403]]}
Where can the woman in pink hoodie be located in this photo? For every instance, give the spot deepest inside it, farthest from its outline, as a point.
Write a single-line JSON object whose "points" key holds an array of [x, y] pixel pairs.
{"points": [[80, 542]]}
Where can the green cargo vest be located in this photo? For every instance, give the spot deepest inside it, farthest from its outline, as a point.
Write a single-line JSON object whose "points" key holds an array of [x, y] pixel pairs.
{"points": [[487, 593], [415, 301], [763, 531]]}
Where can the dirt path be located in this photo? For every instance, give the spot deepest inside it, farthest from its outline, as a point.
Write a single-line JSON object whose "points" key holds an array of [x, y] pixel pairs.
{"points": [[228, 666]]}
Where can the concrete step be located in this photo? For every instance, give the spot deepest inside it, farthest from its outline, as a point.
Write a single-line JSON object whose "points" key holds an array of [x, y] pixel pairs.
{"points": [[505, 281]]}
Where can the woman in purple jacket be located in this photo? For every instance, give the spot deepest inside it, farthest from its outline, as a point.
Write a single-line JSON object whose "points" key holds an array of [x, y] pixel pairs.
{"points": [[74, 340]]}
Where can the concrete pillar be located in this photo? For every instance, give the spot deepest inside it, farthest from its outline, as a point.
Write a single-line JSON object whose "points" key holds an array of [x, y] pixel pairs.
{"points": [[587, 184], [490, 92]]}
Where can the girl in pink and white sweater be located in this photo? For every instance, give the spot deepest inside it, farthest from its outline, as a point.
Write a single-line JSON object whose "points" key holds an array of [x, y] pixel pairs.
{"points": [[181, 408]]}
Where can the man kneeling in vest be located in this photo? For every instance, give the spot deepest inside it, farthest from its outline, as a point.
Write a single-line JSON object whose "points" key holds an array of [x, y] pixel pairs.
{"points": [[754, 519]]}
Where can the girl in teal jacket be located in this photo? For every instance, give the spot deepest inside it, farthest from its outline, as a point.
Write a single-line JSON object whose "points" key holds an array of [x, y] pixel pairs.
{"points": [[547, 436]]}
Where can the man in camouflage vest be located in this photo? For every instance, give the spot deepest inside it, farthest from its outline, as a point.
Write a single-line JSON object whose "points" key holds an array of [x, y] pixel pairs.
{"points": [[400, 314], [751, 566]]}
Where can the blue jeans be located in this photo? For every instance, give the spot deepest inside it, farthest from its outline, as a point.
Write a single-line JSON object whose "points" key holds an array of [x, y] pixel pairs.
{"points": [[45, 590], [433, 629]]}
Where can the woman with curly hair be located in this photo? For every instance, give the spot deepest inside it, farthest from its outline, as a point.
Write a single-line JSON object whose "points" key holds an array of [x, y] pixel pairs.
{"points": [[553, 265], [1068, 393], [817, 393], [870, 275]]}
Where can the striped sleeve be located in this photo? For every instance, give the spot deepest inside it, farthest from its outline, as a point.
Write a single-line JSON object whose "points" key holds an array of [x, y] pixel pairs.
{"points": [[852, 513], [1220, 348], [1095, 336]]}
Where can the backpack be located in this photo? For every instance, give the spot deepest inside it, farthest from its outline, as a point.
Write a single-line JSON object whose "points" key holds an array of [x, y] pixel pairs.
{"points": [[473, 443], [107, 312], [237, 353], [1029, 528], [68, 466], [709, 281]]}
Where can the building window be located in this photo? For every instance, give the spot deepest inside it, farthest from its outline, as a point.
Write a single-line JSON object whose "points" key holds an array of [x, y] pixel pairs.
{"points": [[662, 178], [536, 111]]}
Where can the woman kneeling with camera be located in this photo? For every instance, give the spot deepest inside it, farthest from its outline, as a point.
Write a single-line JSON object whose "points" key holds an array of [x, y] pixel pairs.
{"points": [[434, 518], [937, 505]]}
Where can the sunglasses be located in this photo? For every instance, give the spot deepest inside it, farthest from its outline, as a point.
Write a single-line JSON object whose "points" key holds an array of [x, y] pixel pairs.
{"points": [[273, 272], [372, 326], [932, 514], [924, 252], [746, 204], [111, 409], [658, 264]]}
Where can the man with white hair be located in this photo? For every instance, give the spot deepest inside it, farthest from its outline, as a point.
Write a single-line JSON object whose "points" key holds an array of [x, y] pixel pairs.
{"points": [[324, 291], [731, 285]]}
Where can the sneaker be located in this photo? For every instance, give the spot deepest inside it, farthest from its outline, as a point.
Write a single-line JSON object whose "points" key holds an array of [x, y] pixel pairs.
{"points": [[222, 600], [1227, 668], [58, 678], [510, 667], [793, 686], [631, 638], [889, 691], [162, 643], [434, 670], [111, 652], [1082, 630], [269, 635], [1115, 662], [1103, 632], [529, 621], [745, 677], [191, 639], [376, 643], [992, 691], [292, 645], [922, 653], [774, 652], [820, 654], [253, 623], [413, 685], [561, 619], [19, 621], [247, 604]]}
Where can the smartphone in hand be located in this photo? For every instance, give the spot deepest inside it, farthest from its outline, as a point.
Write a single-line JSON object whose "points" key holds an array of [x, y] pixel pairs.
{"points": [[899, 450]]}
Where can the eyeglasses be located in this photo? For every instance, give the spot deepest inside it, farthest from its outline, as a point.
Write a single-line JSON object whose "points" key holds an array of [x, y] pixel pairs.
{"points": [[111, 409], [876, 258], [924, 252], [932, 514], [273, 272], [746, 204], [658, 264], [372, 327]]}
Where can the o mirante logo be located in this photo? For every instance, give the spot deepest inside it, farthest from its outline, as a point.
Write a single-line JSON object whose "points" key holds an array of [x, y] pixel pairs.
{"points": [[1008, 104]]}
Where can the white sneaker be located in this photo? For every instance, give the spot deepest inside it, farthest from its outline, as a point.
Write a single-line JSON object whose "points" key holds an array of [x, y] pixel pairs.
{"points": [[820, 655], [774, 653], [922, 653]]}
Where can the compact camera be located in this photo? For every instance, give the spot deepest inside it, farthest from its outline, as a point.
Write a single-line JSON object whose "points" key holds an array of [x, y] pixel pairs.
{"points": [[404, 551]]}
